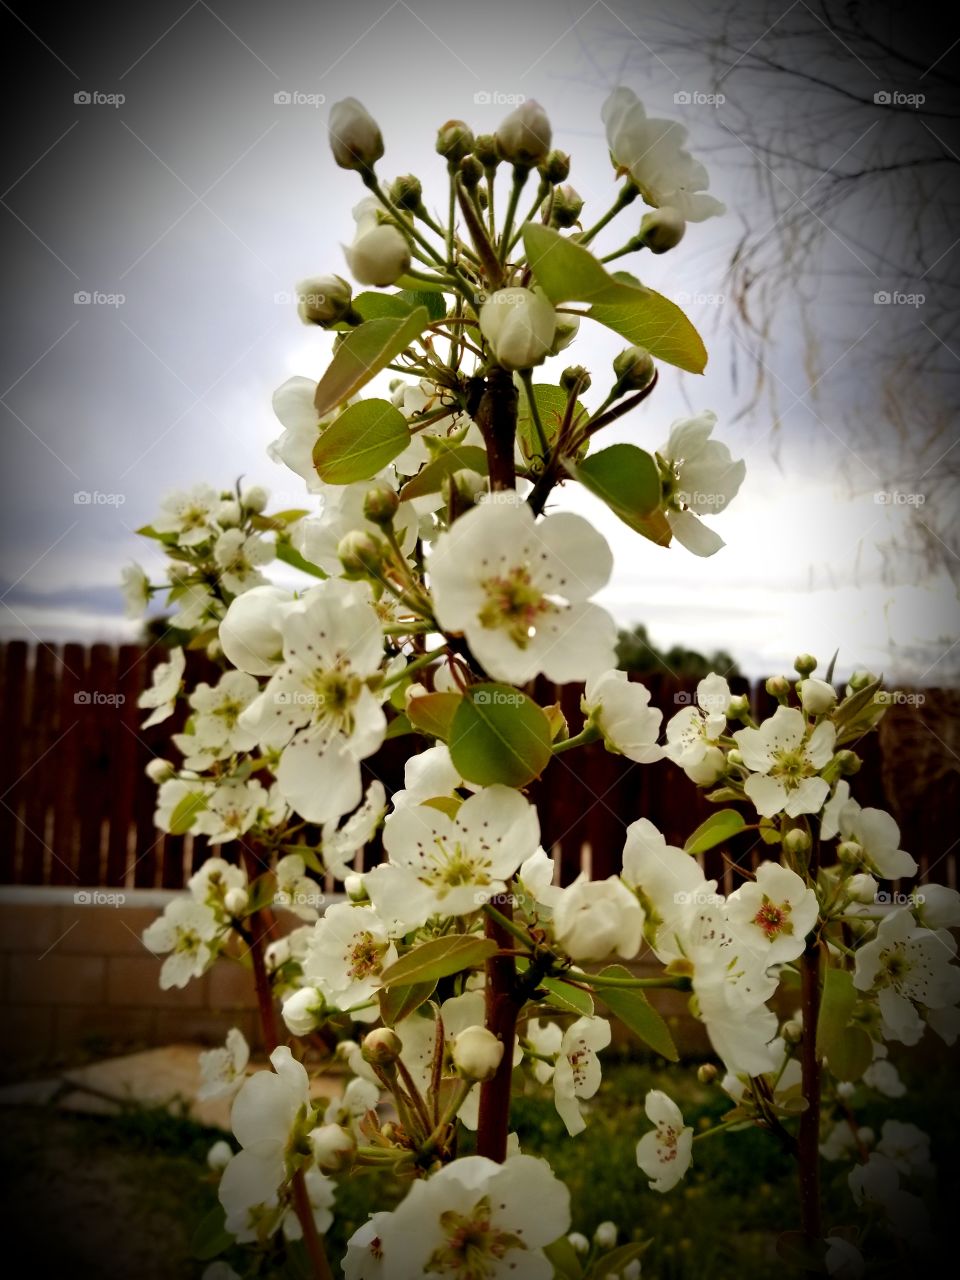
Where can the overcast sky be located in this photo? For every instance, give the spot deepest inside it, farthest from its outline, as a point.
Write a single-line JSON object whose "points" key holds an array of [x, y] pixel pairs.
{"points": [[190, 208]]}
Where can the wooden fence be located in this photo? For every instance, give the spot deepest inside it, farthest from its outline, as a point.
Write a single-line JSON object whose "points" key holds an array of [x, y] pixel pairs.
{"points": [[77, 809]]}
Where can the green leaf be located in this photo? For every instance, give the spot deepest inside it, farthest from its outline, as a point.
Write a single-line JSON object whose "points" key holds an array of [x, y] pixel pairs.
{"points": [[569, 999], [851, 1054], [626, 479], [433, 300], [551, 404], [635, 1011], [360, 442], [499, 735], [185, 813], [429, 478], [398, 727], [398, 1002], [262, 891], [363, 353], [836, 1008], [568, 272], [433, 713], [718, 827], [613, 1263], [563, 1258], [438, 958], [211, 1237], [289, 555]]}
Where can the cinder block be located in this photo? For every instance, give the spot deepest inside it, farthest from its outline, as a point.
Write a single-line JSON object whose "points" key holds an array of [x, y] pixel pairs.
{"points": [[134, 981], [55, 978], [29, 1036], [105, 930], [104, 1028], [29, 927], [230, 987]]}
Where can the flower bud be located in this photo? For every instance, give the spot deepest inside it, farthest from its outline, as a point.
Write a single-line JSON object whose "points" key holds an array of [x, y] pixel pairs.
{"points": [[862, 888], [235, 900], [323, 300], [734, 756], [849, 852], [578, 1243], [566, 208], [354, 887], [303, 1011], [228, 513], [485, 149], [661, 229], [360, 553], [708, 769], [381, 1047], [523, 138], [159, 770], [213, 650], [806, 664], [567, 329], [519, 326], [817, 697], [738, 707], [778, 686], [380, 505], [466, 487], [379, 254], [355, 138], [848, 762], [796, 841], [860, 679], [255, 498], [575, 377], [471, 171], [605, 1236], [406, 192], [219, 1155], [477, 1053], [634, 369], [333, 1147], [454, 140], [555, 168], [250, 632], [707, 1073], [792, 1031]]}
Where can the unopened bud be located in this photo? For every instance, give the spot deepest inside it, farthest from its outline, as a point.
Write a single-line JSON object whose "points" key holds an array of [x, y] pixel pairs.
{"points": [[213, 650], [777, 686], [848, 762], [354, 887], [792, 1032], [566, 208], [255, 498], [707, 1073], [471, 171], [567, 329], [159, 770], [662, 229], [454, 140], [578, 1243], [228, 513], [796, 841], [555, 168], [576, 377], [355, 138], [605, 1236], [406, 191], [860, 679], [523, 138], [738, 706], [849, 852], [734, 756], [380, 505], [323, 300], [381, 1047], [477, 1053], [303, 1011], [806, 664], [360, 553], [466, 487], [236, 900], [485, 149], [333, 1147], [634, 369], [817, 697], [219, 1155], [862, 887]]}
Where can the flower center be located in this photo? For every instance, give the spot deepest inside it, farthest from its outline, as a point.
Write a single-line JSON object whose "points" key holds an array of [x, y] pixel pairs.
{"points": [[513, 604], [472, 1245], [455, 867], [791, 767], [667, 1137], [364, 956], [773, 919]]}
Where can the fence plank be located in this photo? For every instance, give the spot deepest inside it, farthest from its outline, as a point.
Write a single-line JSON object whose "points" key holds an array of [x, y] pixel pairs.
{"points": [[42, 737], [65, 841], [12, 752]]}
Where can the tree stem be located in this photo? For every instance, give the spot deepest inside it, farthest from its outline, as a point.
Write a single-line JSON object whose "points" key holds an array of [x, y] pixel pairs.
{"points": [[809, 1134], [496, 417], [501, 1009]]}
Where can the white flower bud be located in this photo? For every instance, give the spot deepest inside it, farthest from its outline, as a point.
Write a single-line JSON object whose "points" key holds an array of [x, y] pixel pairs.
{"points": [[862, 888], [381, 1047], [662, 229], [817, 697], [228, 513], [236, 900], [213, 650], [706, 771], [805, 663], [524, 136], [520, 326], [378, 256], [605, 1236], [323, 300], [477, 1053], [355, 138], [250, 632], [303, 1011], [595, 918], [354, 887], [333, 1147], [255, 498], [578, 1243], [159, 770], [219, 1155]]}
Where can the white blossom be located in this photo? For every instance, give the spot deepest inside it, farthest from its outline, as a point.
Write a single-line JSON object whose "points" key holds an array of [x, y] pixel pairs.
{"points": [[595, 918], [704, 480], [773, 913], [577, 1074], [784, 758], [348, 951], [190, 515], [908, 968], [379, 254], [620, 709], [665, 1153], [136, 590], [342, 844], [238, 556], [223, 1070], [519, 325], [162, 694], [186, 934]]}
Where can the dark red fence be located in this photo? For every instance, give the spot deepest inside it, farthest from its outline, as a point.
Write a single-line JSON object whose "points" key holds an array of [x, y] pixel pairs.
{"points": [[77, 809]]}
